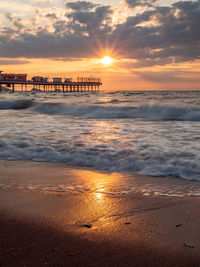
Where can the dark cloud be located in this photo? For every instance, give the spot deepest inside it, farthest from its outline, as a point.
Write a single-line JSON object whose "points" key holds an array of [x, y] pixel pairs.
{"points": [[44, 45], [71, 38], [19, 24], [13, 62], [91, 21], [80, 5], [52, 16], [165, 34], [159, 36], [140, 3]]}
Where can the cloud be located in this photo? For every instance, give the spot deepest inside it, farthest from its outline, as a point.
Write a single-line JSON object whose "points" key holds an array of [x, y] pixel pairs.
{"points": [[168, 76], [52, 16], [165, 34], [10, 16], [91, 21], [13, 62], [140, 3], [157, 36], [42, 1], [80, 5]]}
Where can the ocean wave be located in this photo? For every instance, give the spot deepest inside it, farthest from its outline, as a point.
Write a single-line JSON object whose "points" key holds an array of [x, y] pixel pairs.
{"points": [[146, 145], [141, 161], [150, 112], [147, 111], [17, 104]]}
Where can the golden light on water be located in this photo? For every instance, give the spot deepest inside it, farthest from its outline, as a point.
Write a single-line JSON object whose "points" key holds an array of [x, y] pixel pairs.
{"points": [[107, 60]]}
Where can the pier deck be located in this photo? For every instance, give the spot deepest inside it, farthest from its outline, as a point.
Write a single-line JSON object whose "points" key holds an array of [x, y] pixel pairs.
{"points": [[53, 86]]}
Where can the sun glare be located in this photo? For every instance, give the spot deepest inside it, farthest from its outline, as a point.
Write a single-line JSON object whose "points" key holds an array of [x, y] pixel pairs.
{"points": [[106, 60]]}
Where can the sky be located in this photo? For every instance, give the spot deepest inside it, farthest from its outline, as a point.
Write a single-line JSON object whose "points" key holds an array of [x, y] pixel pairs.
{"points": [[155, 45]]}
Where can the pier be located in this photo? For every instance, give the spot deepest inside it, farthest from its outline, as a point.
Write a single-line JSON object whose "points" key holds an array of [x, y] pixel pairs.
{"points": [[42, 84], [53, 86]]}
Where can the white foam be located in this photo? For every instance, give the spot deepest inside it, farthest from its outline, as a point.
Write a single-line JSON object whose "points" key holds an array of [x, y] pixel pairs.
{"points": [[136, 160]]}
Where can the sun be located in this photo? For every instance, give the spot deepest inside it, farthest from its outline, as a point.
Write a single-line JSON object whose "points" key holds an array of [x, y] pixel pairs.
{"points": [[107, 60]]}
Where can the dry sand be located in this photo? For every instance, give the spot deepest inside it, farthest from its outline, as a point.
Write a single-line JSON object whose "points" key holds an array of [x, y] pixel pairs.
{"points": [[43, 228]]}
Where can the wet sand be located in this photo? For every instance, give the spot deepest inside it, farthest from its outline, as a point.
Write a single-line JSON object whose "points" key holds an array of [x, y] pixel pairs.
{"points": [[88, 228]]}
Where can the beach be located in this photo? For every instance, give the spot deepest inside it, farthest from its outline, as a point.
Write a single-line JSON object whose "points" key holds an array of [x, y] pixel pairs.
{"points": [[90, 227]]}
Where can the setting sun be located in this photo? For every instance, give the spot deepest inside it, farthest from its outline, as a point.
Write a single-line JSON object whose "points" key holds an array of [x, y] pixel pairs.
{"points": [[107, 60]]}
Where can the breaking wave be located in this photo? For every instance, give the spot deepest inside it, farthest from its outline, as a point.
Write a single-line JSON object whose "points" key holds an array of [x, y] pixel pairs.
{"points": [[147, 111], [150, 112], [143, 161], [17, 104]]}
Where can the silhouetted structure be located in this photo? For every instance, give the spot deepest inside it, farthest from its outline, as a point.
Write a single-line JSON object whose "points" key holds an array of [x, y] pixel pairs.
{"points": [[42, 84]]}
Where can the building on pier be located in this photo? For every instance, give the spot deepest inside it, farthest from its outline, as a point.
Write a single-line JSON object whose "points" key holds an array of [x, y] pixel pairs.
{"points": [[57, 80], [39, 79], [13, 77]]}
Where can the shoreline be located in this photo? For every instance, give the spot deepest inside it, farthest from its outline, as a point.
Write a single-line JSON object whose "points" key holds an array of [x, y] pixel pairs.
{"points": [[91, 228], [82, 179]]}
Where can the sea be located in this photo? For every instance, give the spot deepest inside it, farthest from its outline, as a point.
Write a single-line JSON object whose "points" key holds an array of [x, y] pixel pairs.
{"points": [[151, 135]]}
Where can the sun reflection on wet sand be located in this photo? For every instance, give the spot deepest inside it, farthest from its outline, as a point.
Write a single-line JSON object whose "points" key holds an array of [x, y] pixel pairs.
{"points": [[95, 204], [78, 196], [79, 180], [99, 194], [98, 182]]}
